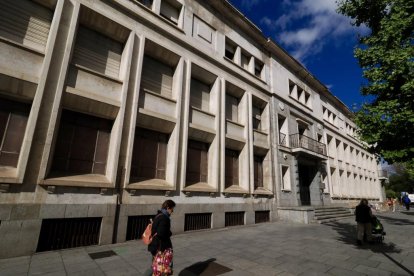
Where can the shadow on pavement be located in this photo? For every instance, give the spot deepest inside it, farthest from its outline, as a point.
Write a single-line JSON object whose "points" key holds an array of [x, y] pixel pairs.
{"points": [[208, 267], [347, 234], [396, 221], [407, 213]]}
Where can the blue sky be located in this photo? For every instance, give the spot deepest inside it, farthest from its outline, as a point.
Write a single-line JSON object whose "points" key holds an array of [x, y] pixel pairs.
{"points": [[313, 33]]}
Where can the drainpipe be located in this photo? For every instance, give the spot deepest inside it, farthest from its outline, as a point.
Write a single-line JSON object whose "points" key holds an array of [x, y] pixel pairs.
{"points": [[119, 192]]}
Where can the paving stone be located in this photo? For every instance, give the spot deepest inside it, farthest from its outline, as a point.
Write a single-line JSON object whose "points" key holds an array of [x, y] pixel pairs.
{"points": [[371, 271], [283, 249]]}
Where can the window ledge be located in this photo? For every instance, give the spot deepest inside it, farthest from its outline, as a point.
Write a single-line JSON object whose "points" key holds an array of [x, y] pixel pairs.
{"points": [[151, 184], [22, 46], [96, 73], [262, 191], [200, 187], [203, 111], [260, 132], [84, 180], [234, 123], [159, 95], [286, 191], [235, 189], [9, 175]]}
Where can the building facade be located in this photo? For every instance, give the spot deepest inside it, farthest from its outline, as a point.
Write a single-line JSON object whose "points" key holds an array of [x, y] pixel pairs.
{"points": [[108, 108]]}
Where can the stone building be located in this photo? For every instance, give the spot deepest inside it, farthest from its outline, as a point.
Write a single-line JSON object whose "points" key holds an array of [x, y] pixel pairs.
{"points": [[108, 108]]}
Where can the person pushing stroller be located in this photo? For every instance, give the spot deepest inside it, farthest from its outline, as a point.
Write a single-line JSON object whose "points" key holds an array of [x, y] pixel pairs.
{"points": [[363, 217]]}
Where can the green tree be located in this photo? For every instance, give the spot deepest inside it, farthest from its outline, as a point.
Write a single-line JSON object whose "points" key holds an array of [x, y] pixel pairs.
{"points": [[386, 55], [401, 180]]}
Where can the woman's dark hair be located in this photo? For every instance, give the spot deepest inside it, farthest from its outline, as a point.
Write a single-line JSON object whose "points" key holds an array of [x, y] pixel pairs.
{"points": [[168, 204]]}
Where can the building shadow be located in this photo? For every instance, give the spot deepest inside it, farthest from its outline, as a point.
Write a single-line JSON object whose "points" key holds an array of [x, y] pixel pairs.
{"points": [[397, 221], [408, 213], [347, 234], [208, 267]]}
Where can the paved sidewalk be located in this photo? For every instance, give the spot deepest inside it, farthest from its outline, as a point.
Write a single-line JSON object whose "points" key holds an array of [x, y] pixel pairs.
{"points": [[278, 248]]}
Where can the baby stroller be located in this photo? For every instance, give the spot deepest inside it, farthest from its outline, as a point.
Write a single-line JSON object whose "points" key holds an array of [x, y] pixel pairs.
{"points": [[377, 230]]}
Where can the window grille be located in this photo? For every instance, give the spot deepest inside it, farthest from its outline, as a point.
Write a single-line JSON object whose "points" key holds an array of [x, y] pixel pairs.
{"points": [[261, 216], [136, 226], [197, 221], [68, 233], [234, 218]]}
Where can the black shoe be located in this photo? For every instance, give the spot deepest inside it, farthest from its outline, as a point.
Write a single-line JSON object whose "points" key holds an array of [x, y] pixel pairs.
{"points": [[359, 242]]}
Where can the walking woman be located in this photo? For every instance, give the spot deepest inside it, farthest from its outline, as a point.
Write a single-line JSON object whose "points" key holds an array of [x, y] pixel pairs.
{"points": [[161, 245]]}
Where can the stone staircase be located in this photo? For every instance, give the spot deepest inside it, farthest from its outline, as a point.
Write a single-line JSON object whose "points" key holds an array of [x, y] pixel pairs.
{"points": [[329, 213]]}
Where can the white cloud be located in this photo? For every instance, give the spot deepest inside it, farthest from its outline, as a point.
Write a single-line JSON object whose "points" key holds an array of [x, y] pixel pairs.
{"points": [[317, 22]]}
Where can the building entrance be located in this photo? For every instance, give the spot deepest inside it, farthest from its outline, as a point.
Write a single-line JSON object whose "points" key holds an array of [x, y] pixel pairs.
{"points": [[306, 175]]}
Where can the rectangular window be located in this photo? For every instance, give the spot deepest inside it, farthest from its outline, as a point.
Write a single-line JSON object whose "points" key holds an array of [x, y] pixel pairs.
{"points": [[245, 61], [232, 106], [257, 118], [197, 221], [170, 10], [157, 77], [283, 130], [258, 68], [97, 52], [231, 168], [258, 171], [230, 49], [149, 155], [82, 144], [197, 162], [13, 121], [200, 95], [286, 178], [26, 22], [147, 3]]}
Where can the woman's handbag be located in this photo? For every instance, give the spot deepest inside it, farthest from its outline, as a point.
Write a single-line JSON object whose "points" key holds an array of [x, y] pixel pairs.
{"points": [[161, 265]]}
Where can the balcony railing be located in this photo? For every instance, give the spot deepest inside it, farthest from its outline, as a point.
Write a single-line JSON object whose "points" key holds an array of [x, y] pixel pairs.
{"points": [[282, 139], [382, 174], [301, 141]]}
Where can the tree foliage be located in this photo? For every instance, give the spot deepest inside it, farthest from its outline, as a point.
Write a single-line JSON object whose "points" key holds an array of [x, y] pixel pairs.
{"points": [[400, 181], [386, 56]]}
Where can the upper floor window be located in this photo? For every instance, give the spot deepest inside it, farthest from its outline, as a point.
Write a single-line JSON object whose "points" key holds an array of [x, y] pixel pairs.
{"points": [[258, 171], [200, 95], [13, 121], [300, 95], [231, 168], [232, 108], [147, 3], [257, 118], [171, 10], [230, 50]]}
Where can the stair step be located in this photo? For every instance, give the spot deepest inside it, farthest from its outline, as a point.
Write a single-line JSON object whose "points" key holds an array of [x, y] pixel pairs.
{"points": [[329, 220], [333, 216], [332, 211]]}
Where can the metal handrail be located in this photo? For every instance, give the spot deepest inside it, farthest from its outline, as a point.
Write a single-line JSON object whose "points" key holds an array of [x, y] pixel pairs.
{"points": [[301, 141]]}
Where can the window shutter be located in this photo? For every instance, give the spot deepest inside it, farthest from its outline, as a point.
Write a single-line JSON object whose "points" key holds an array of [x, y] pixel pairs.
{"points": [[26, 23], [97, 52], [200, 95], [157, 77]]}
